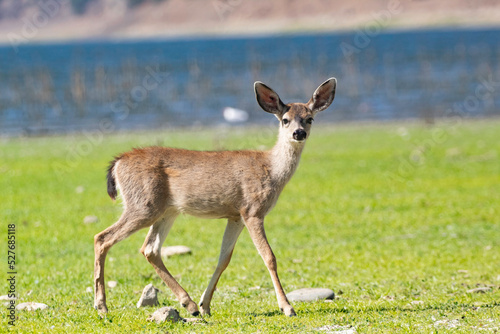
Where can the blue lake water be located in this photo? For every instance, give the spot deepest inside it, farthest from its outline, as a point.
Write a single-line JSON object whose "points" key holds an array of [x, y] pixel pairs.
{"points": [[160, 83]]}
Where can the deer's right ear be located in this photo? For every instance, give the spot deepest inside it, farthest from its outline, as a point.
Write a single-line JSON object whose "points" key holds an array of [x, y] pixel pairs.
{"points": [[323, 96], [268, 99]]}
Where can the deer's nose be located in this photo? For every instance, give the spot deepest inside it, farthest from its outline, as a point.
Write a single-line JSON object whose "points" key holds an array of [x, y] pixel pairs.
{"points": [[299, 134]]}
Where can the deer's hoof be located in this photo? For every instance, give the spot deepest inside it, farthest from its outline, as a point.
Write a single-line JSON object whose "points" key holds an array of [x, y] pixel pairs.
{"points": [[204, 310], [101, 308], [192, 308], [289, 311]]}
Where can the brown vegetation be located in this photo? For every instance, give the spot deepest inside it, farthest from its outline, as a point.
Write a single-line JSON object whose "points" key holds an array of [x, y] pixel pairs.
{"points": [[56, 19]]}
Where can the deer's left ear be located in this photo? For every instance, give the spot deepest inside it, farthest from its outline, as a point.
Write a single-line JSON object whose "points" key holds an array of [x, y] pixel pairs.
{"points": [[268, 99], [323, 96]]}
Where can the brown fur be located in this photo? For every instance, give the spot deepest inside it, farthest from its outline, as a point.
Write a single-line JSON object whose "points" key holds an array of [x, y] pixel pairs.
{"points": [[159, 183], [179, 178]]}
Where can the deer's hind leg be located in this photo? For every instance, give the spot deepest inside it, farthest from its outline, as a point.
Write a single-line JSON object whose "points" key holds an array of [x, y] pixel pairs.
{"points": [[144, 203], [130, 221], [152, 251]]}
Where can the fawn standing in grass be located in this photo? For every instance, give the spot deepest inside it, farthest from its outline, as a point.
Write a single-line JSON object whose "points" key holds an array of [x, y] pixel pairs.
{"points": [[159, 183]]}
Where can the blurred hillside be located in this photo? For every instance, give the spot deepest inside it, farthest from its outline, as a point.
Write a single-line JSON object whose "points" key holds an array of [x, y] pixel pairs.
{"points": [[27, 20]]}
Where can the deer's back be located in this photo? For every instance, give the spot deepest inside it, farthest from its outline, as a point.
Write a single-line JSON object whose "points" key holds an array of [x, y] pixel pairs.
{"points": [[218, 184]]}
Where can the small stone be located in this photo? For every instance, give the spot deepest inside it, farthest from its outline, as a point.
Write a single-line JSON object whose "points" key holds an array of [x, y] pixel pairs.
{"points": [[449, 324], [337, 329], [112, 284], [175, 250], [80, 189], [479, 290], [194, 320], [89, 289], [6, 297], [462, 271], [9, 300], [149, 296], [310, 294], [90, 219], [453, 152], [417, 302], [31, 306], [164, 314]]}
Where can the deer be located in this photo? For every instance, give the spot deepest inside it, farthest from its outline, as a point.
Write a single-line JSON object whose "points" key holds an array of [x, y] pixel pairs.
{"points": [[157, 184]]}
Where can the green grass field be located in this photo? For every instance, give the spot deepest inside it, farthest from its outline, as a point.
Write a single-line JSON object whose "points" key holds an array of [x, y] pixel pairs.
{"points": [[402, 218]]}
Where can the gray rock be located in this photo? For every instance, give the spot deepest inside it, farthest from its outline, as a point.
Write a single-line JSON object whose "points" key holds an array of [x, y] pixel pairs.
{"points": [[337, 329], [310, 294], [448, 324], [149, 296], [90, 219], [175, 250], [479, 290], [31, 306], [194, 320], [6, 297], [9, 300], [164, 314]]}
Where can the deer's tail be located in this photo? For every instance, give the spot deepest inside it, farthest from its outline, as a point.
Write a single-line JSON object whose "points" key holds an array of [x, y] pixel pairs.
{"points": [[111, 179]]}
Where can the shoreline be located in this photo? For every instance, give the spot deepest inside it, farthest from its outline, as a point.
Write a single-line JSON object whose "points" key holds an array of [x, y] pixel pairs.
{"points": [[326, 124], [200, 35]]}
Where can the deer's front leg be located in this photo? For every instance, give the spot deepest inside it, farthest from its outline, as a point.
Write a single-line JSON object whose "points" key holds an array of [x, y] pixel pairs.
{"points": [[255, 227], [233, 230]]}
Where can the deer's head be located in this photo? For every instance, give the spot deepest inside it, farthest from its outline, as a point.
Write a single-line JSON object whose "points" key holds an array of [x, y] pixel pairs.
{"points": [[295, 118]]}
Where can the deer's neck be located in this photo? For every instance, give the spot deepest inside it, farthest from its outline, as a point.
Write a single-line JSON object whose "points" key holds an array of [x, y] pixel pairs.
{"points": [[285, 156]]}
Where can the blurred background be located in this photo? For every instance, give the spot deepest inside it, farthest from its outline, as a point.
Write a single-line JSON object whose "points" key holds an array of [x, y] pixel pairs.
{"points": [[111, 65]]}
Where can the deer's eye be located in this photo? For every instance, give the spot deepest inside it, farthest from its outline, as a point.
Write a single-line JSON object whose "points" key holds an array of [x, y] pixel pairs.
{"points": [[309, 120], [285, 121]]}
